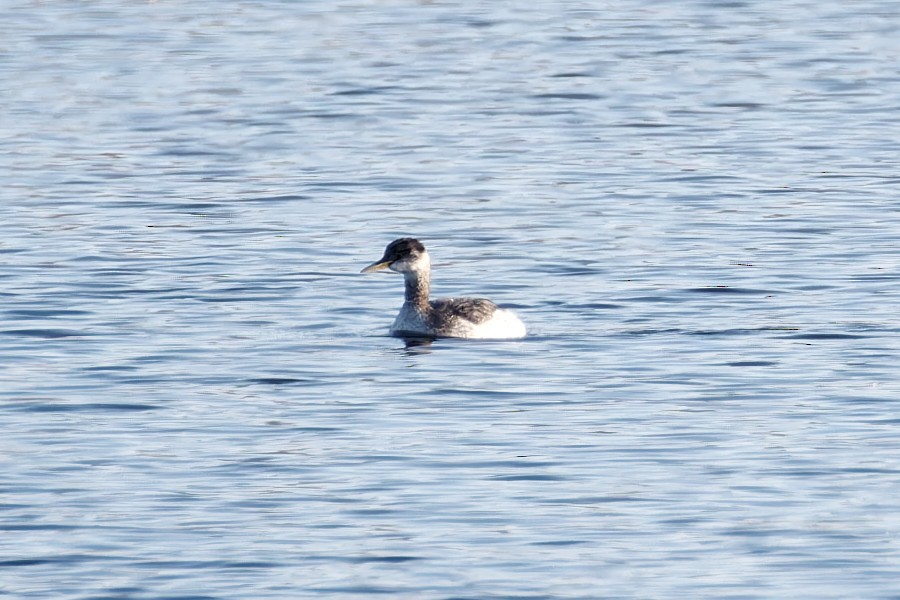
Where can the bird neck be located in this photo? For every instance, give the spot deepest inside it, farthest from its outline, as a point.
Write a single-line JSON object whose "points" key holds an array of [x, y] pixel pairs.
{"points": [[417, 288]]}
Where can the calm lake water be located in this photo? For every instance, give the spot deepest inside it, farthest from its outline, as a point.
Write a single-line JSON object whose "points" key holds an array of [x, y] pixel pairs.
{"points": [[695, 207]]}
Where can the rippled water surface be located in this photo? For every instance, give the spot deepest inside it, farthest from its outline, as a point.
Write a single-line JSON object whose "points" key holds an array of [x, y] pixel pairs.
{"points": [[695, 207]]}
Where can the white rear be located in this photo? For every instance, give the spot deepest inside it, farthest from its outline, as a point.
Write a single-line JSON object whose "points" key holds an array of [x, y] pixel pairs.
{"points": [[503, 325]]}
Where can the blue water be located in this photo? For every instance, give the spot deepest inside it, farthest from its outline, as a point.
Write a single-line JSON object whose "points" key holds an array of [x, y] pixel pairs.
{"points": [[694, 207]]}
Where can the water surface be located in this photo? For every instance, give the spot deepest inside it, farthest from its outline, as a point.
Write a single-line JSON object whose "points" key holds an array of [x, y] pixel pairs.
{"points": [[692, 206]]}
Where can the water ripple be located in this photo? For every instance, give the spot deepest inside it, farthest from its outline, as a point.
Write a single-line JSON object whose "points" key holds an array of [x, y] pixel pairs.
{"points": [[692, 205]]}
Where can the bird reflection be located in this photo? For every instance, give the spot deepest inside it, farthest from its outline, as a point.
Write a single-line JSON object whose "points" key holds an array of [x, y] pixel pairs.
{"points": [[417, 345]]}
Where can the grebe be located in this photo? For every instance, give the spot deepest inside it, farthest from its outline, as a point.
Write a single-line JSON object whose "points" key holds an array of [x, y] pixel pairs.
{"points": [[474, 318]]}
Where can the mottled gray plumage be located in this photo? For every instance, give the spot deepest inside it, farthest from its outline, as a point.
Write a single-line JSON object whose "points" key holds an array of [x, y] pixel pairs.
{"points": [[474, 310]]}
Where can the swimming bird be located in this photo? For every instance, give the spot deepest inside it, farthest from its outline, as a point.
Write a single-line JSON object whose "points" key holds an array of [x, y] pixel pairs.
{"points": [[473, 318]]}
